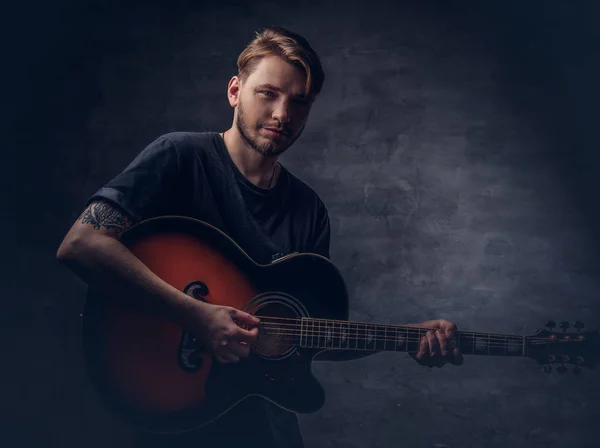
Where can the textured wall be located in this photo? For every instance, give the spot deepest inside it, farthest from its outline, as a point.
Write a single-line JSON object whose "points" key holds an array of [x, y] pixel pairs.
{"points": [[454, 148]]}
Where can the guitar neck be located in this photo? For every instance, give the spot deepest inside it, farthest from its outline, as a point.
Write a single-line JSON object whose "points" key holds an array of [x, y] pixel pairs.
{"points": [[349, 335]]}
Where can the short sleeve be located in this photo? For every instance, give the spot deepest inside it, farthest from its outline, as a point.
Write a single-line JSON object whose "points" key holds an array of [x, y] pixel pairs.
{"points": [[322, 243], [144, 185]]}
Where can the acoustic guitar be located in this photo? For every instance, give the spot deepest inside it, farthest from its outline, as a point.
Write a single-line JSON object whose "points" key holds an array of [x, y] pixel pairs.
{"points": [[158, 377]]}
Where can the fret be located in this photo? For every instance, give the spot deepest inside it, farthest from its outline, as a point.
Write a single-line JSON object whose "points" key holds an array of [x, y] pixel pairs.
{"points": [[496, 346], [307, 335], [345, 335], [356, 336], [385, 337], [371, 337], [319, 335], [331, 333], [400, 340], [378, 332], [513, 347], [480, 344], [301, 330], [412, 345]]}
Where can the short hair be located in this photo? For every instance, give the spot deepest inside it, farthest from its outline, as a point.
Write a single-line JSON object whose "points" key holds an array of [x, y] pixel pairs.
{"points": [[289, 46]]}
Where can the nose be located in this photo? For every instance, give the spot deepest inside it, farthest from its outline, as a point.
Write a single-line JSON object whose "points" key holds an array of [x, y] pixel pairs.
{"points": [[281, 112]]}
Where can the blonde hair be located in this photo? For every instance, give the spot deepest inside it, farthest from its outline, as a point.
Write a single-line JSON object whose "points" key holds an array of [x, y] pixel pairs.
{"points": [[289, 46]]}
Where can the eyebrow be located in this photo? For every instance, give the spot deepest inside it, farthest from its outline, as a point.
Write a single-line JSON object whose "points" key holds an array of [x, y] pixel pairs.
{"points": [[277, 89]]}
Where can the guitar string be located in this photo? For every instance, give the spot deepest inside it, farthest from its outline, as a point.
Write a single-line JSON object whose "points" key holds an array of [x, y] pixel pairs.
{"points": [[312, 332], [348, 322], [353, 334], [295, 337], [411, 329], [313, 327]]}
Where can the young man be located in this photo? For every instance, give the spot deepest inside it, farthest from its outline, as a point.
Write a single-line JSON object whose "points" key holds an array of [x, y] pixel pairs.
{"points": [[232, 180]]}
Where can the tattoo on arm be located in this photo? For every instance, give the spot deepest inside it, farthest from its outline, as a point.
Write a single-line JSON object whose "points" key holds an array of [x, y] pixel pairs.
{"points": [[102, 214]]}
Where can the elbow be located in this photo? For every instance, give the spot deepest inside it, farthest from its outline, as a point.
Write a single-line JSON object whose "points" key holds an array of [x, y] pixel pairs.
{"points": [[70, 249], [65, 251]]}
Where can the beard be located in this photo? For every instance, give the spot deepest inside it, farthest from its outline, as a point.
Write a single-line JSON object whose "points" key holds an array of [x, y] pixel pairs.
{"points": [[268, 148]]}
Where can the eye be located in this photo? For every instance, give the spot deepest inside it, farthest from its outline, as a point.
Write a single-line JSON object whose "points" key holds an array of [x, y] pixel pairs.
{"points": [[268, 93]]}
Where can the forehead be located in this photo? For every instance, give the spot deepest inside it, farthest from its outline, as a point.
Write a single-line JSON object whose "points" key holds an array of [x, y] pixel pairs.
{"points": [[279, 73]]}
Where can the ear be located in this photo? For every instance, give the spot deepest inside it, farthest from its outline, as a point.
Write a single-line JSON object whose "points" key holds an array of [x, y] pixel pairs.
{"points": [[233, 91]]}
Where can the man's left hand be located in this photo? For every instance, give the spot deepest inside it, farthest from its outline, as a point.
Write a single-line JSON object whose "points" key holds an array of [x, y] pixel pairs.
{"points": [[436, 348]]}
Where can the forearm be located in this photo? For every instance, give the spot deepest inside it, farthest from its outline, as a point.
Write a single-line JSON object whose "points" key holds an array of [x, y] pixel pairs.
{"points": [[106, 264]]}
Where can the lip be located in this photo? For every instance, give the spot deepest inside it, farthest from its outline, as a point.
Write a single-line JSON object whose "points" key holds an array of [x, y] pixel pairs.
{"points": [[274, 132]]}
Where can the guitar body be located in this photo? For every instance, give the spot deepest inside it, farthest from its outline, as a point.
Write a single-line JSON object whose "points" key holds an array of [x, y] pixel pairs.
{"points": [[156, 375]]}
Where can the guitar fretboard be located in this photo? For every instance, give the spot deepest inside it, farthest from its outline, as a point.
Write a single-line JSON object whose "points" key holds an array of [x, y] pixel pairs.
{"points": [[347, 335]]}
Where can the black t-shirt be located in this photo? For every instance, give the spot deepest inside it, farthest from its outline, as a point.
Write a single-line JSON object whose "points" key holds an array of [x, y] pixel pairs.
{"points": [[192, 174]]}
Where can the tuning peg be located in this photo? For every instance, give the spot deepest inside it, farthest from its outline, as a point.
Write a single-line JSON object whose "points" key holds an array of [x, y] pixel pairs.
{"points": [[550, 324], [547, 368], [564, 325], [578, 325], [561, 369], [576, 370]]}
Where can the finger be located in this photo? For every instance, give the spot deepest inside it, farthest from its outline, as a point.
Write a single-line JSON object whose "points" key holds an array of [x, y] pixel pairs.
{"points": [[442, 342], [433, 344], [423, 352], [226, 356], [239, 349], [249, 336], [457, 357], [244, 318], [451, 329], [217, 345]]}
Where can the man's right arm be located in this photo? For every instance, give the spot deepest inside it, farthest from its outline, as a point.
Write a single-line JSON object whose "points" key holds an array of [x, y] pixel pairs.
{"points": [[92, 250]]}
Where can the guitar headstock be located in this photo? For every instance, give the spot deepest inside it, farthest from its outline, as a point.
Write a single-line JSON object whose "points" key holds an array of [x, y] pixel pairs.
{"points": [[576, 347]]}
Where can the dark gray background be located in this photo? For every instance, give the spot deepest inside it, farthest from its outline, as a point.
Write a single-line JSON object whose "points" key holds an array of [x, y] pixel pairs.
{"points": [[455, 145]]}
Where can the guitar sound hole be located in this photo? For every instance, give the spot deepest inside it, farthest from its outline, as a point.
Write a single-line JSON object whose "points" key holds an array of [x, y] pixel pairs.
{"points": [[279, 331]]}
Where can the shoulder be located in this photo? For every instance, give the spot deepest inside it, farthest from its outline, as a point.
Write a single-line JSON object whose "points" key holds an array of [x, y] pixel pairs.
{"points": [[186, 141], [189, 148]]}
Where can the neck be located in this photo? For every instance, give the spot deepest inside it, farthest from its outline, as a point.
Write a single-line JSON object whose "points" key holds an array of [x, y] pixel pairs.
{"points": [[257, 168], [359, 336]]}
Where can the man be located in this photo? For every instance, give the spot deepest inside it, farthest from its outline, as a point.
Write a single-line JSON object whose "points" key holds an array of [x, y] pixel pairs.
{"points": [[232, 180]]}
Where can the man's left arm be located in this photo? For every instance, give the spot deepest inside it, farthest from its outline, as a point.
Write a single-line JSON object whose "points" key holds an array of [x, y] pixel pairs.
{"points": [[435, 348]]}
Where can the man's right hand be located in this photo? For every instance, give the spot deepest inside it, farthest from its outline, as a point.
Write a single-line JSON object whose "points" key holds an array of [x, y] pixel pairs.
{"points": [[218, 328]]}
